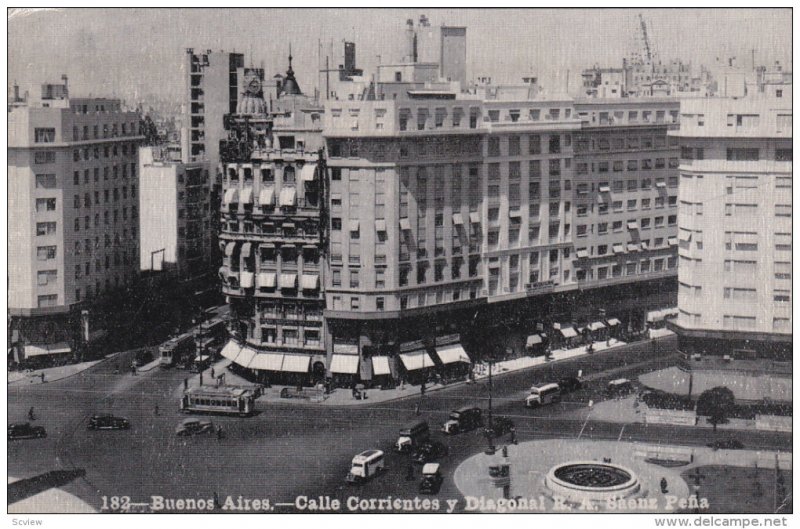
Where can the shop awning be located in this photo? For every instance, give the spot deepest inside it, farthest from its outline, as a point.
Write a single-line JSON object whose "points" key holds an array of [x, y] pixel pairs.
{"points": [[231, 350], [247, 249], [267, 196], [416, 360], [245, 356], [310, 282], [632, 225], [288, 280], [568, 332], [405, 225], [246, 279], [354, 225], [596, 326], [344, 364], [288, 196], [267, 362], [654, 316], [380, 225], [673, 241], [307, 172], [266, 280], [582, 254], [450, 354], [533, 339], [618, 248], [380, 365], [231, 196], [458, 219], [633, 247], [685, 236], [475, 217], [613, 322], [44, 350], [295, 363], [247, 196], [229, 249]]}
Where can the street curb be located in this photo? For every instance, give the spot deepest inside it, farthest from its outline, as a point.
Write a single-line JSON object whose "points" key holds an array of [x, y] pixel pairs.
{"points": [[464, 382], [97, 363]]}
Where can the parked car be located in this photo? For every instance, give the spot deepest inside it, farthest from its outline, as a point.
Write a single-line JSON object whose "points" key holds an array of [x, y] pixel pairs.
{"points": [[570, 384], [500, 426], [726, 444], [108, 422], [431, 479], [24, 430], [428, 451], [194, 427]]}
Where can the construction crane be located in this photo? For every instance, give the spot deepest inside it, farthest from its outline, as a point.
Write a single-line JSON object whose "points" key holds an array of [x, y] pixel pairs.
{"points": [[645, 39]]}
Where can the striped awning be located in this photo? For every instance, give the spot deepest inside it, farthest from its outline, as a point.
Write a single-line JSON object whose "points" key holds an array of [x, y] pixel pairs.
{"points": [[245, 356]]}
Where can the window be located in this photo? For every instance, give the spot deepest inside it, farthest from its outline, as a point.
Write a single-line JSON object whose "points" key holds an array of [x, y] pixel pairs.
{"points": [[336, 224], [45, 228], [781, 210], [783, 270], [354, 282], [494, 146], [742, 154], [632, 204], [513, 145], [44, 135], [50, 300], [535, 168], [554, 144]]}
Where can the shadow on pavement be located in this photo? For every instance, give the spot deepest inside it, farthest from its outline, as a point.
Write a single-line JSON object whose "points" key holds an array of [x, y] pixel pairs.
{"points": [[25, 488]]}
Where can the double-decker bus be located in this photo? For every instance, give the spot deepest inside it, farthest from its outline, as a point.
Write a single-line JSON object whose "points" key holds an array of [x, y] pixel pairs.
{"points": [[230, 400], [177, 350]]}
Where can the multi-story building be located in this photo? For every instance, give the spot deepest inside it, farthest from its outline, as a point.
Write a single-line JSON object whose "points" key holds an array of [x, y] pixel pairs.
{"points": [[735, 222], [272, 235], [625, 196], [73, 213], [212, 91], [175, 212]]}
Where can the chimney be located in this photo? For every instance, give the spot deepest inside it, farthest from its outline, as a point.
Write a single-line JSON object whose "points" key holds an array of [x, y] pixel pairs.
{"points": [[66, 84], [410, 42], [16, 92]]}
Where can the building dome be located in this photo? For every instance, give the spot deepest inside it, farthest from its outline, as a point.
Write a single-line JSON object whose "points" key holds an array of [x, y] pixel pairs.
{"points": [[251, 104], [290, 86]]}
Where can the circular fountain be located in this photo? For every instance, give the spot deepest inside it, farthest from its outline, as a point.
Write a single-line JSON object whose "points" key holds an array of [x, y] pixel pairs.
{"points": [[577, 481]]}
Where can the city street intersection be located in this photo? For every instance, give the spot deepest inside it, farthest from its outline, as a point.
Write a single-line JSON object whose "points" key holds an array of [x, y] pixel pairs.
{"points": [[285, 451]]}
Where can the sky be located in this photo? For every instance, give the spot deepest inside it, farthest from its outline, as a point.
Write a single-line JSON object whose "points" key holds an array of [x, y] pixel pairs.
{"points": [[135, 53]]}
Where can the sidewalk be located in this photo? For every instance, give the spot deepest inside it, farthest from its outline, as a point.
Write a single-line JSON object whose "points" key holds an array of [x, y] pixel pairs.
{"points": [[344, 397], [51, 374], [50, 501]]}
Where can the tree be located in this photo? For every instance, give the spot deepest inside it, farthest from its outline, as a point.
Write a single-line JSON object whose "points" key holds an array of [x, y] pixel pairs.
{"points": [[717, 404]]}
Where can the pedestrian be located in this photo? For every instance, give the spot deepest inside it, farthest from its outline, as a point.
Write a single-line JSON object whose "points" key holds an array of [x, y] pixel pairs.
{"points": [[219, 433], [133, 371], [416, 409], [42, 378], [31, 415], [216, 500], [422, 389], [513, 431], [212, 372], [653, 344], [185, 383], [155, 410], [608, 342]]}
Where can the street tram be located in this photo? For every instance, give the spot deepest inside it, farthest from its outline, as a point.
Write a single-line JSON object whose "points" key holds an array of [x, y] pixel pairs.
{"points": [[211, 334], [229, 400], [177, 350]]}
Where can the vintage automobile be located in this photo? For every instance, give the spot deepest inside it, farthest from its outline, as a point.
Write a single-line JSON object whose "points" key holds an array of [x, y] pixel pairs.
{"points": [[108, 422], [500, 426], [194, 427], [570, 384], [463, 420], [25, 430], [431, 479], [428, 451], [365, 466]]}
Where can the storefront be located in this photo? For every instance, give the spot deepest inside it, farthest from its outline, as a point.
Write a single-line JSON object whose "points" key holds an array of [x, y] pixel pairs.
{"points": [[455, 361], [418, 365], [344, 369]]}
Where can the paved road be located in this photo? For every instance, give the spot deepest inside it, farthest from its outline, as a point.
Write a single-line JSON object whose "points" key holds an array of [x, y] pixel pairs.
{"points": [[285, 451]]}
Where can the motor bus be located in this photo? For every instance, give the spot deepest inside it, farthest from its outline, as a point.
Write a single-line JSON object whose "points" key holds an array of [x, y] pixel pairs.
{"points": [[177, 350], [228, 400], [541, 395], [210, 335], [365, 466]]}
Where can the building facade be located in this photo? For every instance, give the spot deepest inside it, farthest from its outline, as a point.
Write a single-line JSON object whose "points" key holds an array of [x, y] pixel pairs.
{"points": [[175, 211], [735, 226], [73, 213]]}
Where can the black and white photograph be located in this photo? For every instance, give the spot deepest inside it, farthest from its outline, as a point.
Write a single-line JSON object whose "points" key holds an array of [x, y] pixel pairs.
{"points": [[443, 260]]}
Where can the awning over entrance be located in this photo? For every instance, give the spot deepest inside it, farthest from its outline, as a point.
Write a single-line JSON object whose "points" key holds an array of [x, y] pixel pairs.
{"points": [[307, 172], [266, 197], [416, 360], [380, 365], [45, 350], [613, 322], [296, 363], [450, 354], [568, 332], [267, 362], [344, 364], [533, 339], [231, 350], [266, 280], [596, 326], [245, 356]]}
